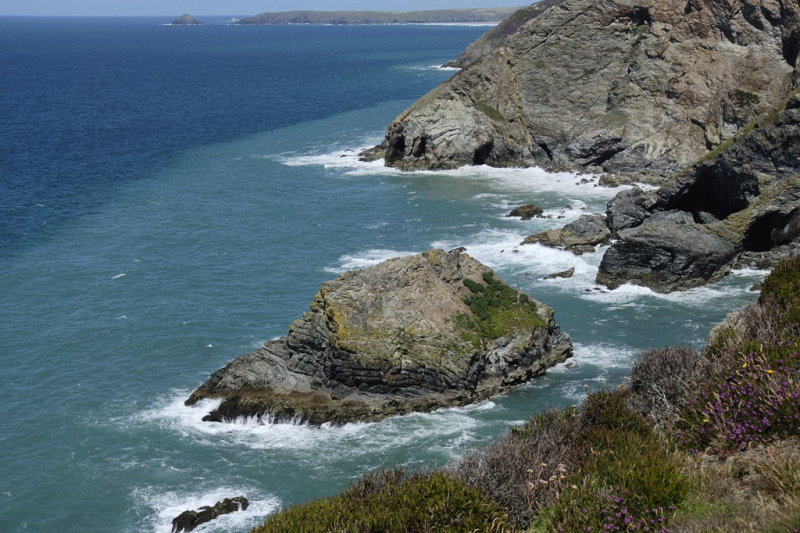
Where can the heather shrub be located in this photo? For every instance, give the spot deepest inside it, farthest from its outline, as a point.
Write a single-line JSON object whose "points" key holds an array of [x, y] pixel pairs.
{"points": [[525, 470], [661, 380], [756, 401], [393, 501], [625, 475], [751, 373], [783, 287]]}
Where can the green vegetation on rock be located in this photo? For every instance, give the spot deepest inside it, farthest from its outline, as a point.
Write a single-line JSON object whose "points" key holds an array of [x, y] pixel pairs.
{"points": [[497, 310], [393, 501], [490, 111]]}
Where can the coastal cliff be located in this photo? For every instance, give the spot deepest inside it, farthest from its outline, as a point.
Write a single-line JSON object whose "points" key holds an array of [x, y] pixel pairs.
{"points": [[633, 88], [410, 334]]}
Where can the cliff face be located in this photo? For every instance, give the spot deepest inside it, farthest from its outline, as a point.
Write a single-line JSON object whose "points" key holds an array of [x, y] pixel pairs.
{"points": [[621, 86], [499, 35], [738, 205], [411, 334]]}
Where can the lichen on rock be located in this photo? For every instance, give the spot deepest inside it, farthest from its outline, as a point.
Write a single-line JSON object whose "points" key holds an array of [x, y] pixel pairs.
{"points": [[410, 334]]}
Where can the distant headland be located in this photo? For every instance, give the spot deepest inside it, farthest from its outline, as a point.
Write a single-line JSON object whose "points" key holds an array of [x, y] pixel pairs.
{"points": [[440, 16]]}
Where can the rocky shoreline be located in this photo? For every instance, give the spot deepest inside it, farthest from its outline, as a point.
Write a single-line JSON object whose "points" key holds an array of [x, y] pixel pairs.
{"points": [[699, 98], [416, 333]]}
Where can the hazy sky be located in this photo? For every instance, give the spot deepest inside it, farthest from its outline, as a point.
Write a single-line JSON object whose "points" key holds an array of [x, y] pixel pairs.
{"points": [[225, 7]]}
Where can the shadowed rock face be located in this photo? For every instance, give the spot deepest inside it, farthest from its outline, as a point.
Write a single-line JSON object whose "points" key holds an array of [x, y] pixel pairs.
{"points": [[739, 205], [633, 87], [390, 339]]}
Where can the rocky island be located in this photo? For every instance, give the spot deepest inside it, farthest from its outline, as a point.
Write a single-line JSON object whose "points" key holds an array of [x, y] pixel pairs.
{"points": [[186, 20], [440, 16], [410, 334]]}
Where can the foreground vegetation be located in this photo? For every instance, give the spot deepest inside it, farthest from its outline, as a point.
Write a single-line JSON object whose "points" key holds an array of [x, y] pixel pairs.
{"points": [[697, 442]]}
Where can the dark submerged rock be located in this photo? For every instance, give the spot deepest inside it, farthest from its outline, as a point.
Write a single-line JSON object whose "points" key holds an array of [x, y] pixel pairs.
{"points": [[190, 520], [579, 236], [563, 274], [526, 212]]}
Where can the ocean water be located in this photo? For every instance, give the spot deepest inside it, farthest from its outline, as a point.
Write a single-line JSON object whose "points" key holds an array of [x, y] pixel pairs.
{"points": [[172, 197]]}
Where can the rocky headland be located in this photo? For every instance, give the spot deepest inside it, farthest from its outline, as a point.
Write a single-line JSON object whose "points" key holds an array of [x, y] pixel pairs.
{"points": [[699, 97], [186, 20], [498, 36], [641, 88], [440, 16], [410, 334]]}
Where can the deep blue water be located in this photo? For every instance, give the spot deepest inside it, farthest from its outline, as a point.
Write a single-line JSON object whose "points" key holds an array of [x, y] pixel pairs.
{"points": [[171, 197]]}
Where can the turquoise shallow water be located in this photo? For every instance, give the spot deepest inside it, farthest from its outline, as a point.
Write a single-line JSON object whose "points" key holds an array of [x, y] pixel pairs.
{"points": [[128, 279]]}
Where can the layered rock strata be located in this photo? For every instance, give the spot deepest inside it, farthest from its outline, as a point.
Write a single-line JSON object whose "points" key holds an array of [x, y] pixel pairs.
{"points": [[410, 334], [637, 87]]}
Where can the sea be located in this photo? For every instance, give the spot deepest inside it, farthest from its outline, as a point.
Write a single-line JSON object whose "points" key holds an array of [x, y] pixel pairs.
{"points": [[173, 197]]}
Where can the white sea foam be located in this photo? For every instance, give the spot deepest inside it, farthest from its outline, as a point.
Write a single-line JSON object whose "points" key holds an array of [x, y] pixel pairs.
{"points": [[165, 506], [628, 293], [446, 429], [364, 259], [119, 276], [432, 67], [517, 180], [501, 249]]}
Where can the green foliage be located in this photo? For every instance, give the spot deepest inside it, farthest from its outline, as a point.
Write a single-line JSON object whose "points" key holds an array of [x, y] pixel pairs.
{"points": [[752, 393], [783, 286], [743, 98], [521, 15], [497, 310], [609, 410], [392, 501], [627, 475], [489, 111]]}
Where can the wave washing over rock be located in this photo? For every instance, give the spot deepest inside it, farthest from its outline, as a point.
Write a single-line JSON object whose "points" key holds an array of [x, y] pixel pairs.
{"points": [[410, 334], [638, 88]]}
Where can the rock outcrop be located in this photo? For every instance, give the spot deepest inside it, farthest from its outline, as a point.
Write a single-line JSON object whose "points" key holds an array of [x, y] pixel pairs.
{"points": [[580, 236], [186, 20], [191, 520], [738, 205], [526, 212], [410, 334], [498, 36], [637, 87]]}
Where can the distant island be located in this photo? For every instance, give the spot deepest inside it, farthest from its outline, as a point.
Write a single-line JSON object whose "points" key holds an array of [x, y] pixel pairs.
{"points": [[186, 20], [440, 16]]}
